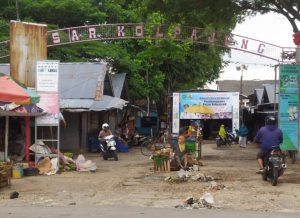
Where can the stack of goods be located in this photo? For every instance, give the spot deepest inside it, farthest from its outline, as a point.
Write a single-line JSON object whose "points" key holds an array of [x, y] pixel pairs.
{"points": [[161, 159], [5, 174]]}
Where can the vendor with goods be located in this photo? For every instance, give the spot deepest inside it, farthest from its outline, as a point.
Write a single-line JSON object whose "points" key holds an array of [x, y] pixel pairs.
{"points": [[180, 154]]}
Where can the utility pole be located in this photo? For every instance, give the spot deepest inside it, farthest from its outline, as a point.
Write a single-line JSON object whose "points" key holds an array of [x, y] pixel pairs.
{"points": [[17, 10], [275, 87], [148, 98], [241, 68]]}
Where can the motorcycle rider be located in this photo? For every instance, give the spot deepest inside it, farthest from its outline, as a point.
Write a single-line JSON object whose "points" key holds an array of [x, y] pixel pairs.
{"points": [[103, 133], [267, 136], [222, 133]]}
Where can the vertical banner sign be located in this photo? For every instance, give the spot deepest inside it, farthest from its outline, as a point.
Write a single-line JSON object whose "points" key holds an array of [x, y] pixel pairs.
{"points": [[288, 106], [235, 110], [175, 115], [47, 87], [288, 118]]}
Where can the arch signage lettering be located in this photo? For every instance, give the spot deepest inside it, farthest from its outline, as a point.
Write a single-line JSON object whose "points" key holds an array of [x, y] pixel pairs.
{"points": [[107, 32]]}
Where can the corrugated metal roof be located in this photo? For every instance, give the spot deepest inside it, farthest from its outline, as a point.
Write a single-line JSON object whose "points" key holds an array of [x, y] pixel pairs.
{"points": [[79, 80], [77, 86], [259, 94], [270, 89], [76, 103], [248, 85], [76, 80], [107, 103], [118, 83]]}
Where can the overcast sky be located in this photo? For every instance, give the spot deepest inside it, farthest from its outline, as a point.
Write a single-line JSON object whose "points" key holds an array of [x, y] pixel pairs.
{"points": [[271, 28]]}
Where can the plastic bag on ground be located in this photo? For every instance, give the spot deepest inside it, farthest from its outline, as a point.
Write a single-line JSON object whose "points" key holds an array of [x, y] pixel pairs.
{"points": [[54, 166], [84, 165]]}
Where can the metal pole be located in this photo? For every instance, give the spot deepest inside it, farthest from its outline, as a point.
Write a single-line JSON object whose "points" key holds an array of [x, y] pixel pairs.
{"points": [[241, 82], [275, 86], [27, 138], [6, 138]]}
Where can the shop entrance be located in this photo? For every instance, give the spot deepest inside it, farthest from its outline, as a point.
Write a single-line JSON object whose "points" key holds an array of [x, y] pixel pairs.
{"points": [[210, 128]]}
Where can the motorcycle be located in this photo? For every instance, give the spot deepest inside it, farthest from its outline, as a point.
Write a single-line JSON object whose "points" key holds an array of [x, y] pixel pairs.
{"points": [[224, 142], [108, 148], [140, 139], [274, 165], [233, 138]]}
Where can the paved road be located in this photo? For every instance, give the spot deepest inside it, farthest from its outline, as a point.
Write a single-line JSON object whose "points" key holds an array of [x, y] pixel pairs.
{"points": [[130, 212]]}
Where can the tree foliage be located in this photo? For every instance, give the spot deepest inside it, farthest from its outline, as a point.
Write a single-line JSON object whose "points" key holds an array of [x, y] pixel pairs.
{"points": [[288, 8], [154, 68]]}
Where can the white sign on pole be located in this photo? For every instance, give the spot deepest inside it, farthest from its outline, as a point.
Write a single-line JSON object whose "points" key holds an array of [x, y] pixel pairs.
{"points": [[47, 76]]}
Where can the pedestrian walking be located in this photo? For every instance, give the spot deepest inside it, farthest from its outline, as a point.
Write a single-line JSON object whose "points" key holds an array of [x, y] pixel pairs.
{"points": [[243, 132]]}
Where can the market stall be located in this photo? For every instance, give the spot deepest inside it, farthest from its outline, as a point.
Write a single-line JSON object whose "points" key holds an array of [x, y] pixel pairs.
{"points": [[16, 100]]}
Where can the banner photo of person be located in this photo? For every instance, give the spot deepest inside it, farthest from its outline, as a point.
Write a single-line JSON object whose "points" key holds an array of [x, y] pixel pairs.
{"points": [[288, 121], [216, 105]]}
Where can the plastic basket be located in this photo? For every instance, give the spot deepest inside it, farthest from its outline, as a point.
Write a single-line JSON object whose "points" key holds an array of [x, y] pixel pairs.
{"points": [[191, 146]]}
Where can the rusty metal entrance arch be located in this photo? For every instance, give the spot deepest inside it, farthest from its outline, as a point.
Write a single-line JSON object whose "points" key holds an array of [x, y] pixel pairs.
{"points": [[105, 32]]}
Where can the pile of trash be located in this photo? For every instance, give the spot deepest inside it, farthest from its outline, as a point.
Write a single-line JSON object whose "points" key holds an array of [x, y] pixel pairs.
{"points": [[191, 175], [205, 201]]}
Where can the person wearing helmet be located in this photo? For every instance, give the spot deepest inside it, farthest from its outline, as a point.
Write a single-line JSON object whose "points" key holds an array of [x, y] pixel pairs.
{"points": [[267, 136], [104, 132]]}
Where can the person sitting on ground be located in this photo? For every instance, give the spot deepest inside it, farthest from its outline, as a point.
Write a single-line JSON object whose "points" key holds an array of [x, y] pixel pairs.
{"points": [[243, 132], [180, 153], [267, 136]]}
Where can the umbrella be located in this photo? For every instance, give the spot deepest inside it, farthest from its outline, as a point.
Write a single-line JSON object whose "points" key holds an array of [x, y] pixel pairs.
{"points": [[12, 91], [199, 109]]}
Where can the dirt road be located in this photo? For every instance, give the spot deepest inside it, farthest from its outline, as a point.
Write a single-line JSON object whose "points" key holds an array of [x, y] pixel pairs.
{"points": [[131, 182]]}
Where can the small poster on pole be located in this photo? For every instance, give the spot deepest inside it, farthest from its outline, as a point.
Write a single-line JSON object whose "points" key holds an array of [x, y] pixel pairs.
{"points": [[49, 103], [47, 76]]}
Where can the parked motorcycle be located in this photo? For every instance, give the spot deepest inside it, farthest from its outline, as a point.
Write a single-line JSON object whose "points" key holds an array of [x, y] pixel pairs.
{"points": [[274, 165], [137, 140], [108, 148], [233, 137]]}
